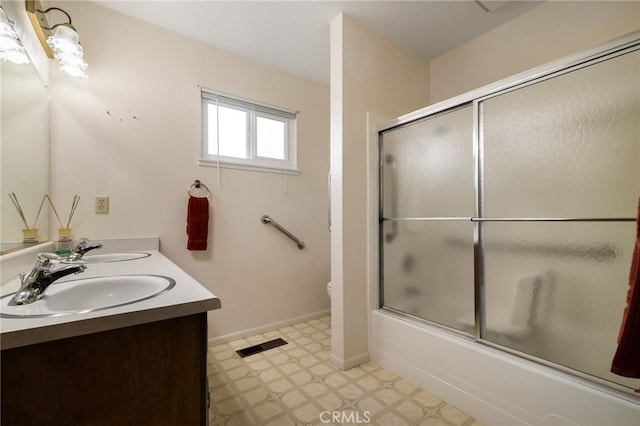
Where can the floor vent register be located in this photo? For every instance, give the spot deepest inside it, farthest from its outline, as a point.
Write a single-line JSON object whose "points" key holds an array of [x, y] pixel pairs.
{"points": [[255, 349]]}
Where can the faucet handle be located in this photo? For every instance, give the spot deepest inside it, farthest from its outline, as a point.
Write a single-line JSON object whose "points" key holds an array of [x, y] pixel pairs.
{"points": [[83, 247], [46, 261], [48, 256]]}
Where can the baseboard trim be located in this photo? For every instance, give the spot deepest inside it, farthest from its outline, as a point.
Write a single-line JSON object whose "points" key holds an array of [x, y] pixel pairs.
{"points": [[346, 364], [226, 338]]}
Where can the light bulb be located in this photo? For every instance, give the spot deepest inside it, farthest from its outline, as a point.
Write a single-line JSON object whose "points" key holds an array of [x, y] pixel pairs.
{"points": [[64, 39], [15, 56], [9, 43], [74, 71], [11, 48]]}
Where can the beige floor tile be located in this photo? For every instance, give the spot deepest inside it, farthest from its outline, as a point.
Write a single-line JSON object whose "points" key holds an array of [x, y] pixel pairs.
{"points": [[294, 383], [330, 402], [308, 361], [427, 399], [216, 379], [220, 393], [254, 396], [242, 419], [411, 410], [238, 372], [293, 399], [315, 389], [404, 386], [246, 383], [387, 395], [336, 380], [279, 358], [369, 383], [370, 366], [258, 338], [259, 365], [282, 421], [308, 413], [392, 419], [434, 421], [301, 377], [354, 372], [230, 363], [351, 391], [371, 406], [322, 369], [280, 386], [239, 344], [289, 367], [453, 415], [385, 375], [269, 375], [229, 406], [268, 410]]}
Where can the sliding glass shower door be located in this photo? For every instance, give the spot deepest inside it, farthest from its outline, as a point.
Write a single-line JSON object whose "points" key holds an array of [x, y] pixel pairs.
{"points": [[561, 164], [428, 199], [511, 219]]}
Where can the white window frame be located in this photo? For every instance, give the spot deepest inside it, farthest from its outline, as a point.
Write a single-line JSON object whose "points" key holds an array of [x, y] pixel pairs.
{"points": [[254, 110]]}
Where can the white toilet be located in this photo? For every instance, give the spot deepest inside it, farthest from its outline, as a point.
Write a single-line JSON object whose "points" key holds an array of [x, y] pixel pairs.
{"points": [[329, 289]]}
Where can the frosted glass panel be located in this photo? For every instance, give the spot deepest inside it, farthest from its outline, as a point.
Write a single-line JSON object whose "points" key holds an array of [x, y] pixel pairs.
{"points": [[557, 290], [428, 167], [567, 146], [428, 271]]}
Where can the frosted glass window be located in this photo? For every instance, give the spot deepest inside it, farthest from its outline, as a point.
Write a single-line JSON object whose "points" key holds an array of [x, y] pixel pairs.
{"points": [[557, 290], [428, 271], [428, 168], [567, 146]]}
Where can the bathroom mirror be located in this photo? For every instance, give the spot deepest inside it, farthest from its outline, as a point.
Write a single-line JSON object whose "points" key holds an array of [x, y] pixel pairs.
{"points": [[24, 152]]}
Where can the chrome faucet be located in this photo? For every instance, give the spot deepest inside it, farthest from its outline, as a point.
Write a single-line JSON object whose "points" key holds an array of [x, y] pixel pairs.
{"points": [[50, 267], [82, 248]]}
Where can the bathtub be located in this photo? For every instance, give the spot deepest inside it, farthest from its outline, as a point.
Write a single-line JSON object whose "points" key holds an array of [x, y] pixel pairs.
{"points": [[495, 387]]}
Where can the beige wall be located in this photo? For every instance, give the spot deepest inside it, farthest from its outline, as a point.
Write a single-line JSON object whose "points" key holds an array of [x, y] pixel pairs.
{"points": [[132, 131], [369, 73], [548, 32]]}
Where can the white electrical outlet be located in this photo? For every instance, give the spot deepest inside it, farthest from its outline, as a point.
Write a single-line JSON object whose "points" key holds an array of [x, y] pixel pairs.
{"points": [[102, 204]]}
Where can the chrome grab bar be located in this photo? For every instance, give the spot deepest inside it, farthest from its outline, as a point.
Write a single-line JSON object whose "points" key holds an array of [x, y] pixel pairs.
{"points": [[391, 161], [267, 220]]}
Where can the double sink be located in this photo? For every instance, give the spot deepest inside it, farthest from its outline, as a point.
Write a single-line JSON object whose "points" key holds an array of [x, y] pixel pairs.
{"points": [[93, 293]]}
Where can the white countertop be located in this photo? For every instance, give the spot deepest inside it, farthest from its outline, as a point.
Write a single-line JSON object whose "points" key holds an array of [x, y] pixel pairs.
{"points": [[186, 298]]}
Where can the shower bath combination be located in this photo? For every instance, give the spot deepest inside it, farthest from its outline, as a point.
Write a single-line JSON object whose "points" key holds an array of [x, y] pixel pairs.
{"points": [[509, 217]]}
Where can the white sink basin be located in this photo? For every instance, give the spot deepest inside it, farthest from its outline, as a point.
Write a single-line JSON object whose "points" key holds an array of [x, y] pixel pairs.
{"points": [[114, 257], [89, 294]]}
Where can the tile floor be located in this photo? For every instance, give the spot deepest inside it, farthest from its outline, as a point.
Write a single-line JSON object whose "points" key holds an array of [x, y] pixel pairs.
{"points": [[296, 384]]}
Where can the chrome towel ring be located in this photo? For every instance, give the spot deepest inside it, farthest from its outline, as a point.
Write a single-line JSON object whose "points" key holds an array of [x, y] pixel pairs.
{"points": [[196, 185]]}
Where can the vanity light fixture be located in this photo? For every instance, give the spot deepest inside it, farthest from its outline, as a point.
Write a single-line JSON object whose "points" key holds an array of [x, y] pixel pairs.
{"points": [[11, 48], [60, 41]]}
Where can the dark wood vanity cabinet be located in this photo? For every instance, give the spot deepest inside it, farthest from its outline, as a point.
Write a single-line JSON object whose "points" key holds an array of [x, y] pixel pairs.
{"points": [[147, 374]]}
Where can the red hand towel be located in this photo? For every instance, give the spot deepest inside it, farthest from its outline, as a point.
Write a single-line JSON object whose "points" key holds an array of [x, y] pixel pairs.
{"points": [[626, 361], [197, 223]]}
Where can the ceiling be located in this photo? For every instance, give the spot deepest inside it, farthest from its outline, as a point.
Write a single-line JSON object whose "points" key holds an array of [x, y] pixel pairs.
{"points": [[294, 35]]}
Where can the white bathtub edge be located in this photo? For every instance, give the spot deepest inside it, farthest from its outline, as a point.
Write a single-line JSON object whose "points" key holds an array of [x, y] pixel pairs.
{"points": [[495, 388]]}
